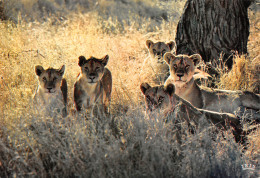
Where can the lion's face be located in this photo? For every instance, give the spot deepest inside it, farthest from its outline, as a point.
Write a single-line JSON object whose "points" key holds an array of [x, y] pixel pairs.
{"points": [[50, 79], [93, 68], [157, 98], [157, 50], [182, 67]]}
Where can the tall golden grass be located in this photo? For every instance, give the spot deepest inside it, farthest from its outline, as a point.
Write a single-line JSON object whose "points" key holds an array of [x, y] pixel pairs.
{"points": [[34, 145], [25, 45], [245, 74]]}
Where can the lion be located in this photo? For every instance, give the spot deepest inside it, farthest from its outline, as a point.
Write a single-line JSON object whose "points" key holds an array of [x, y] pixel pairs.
{"points": [[51, 94], [156, 51], [163, 100], [94, 84], [182, 68], [160, 67]]}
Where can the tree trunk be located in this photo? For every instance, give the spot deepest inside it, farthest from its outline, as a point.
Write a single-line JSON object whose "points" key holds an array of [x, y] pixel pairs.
{"points": [[212, 27], [2, 14]]}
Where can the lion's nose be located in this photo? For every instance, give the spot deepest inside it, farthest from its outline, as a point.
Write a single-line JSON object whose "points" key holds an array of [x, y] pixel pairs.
{"points": [[160, 60], [49, 88], [92, 76], [180, 75]]}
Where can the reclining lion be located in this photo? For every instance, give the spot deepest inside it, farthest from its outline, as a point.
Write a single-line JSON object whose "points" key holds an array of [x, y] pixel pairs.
{"points": [[162, 99], [182, 69]]}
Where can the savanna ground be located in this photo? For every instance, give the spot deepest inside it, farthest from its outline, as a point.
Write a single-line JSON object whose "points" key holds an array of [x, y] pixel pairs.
{"points": [[125, 144]]}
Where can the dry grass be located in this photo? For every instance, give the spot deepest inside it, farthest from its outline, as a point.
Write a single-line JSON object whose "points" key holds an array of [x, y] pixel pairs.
{"points": [[245, 74], [124, 144]]}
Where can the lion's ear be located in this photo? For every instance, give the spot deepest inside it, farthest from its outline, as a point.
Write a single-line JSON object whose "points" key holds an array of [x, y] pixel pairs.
{"points": [[105, 60], [39, 70], [149, 43], [62, 70], [170, 89], [196, 58], [168, 57], [171, 45], [82, 60], [144, 87]]}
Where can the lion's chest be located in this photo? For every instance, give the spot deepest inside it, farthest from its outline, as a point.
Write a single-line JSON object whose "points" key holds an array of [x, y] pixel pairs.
{"points": [[49, 102], [90, 95], [190, 93]]}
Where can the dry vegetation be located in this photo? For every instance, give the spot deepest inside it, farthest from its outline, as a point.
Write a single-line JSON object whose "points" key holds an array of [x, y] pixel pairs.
{"points": [[126, 144]]}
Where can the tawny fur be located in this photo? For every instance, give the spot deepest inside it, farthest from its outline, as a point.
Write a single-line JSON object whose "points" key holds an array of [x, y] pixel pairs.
{"points": [[182, 68], [163, 101], [156, 52], [51, 94], [94, 84], [158, 49]]}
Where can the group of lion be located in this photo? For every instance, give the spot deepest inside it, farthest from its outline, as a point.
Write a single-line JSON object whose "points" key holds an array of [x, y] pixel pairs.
{"points": [[181, 95], [93, 87], [180, 90]]}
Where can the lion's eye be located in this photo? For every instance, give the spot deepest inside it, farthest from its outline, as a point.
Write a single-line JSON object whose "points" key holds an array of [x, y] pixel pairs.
{"points": [[163, 52], [86, 68], [175, 66], [98, 68], [148, 98], [154, 51], [160, 100], [44, 79], [54, 78], [187, 67]]}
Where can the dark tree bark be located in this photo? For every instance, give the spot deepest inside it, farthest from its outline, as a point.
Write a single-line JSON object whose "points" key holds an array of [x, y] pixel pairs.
{"points": [[2, 14], [212, 27]]}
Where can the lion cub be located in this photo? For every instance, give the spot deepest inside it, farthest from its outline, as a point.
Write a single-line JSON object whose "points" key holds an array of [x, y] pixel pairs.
{"points": [[162, 99], [93, 85], [51, 94], [158, 65], [182, 69], [158, 49]]}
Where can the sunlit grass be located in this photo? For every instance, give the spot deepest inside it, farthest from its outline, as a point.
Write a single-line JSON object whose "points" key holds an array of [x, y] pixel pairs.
{"points": [[126, 143]]}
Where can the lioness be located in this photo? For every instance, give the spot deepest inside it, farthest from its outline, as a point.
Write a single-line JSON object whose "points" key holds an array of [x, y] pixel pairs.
{"points": [[162, 99], [182, 68], [158, 49], [160, 67], [93, 85], [51, 94], [156, 52]]}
